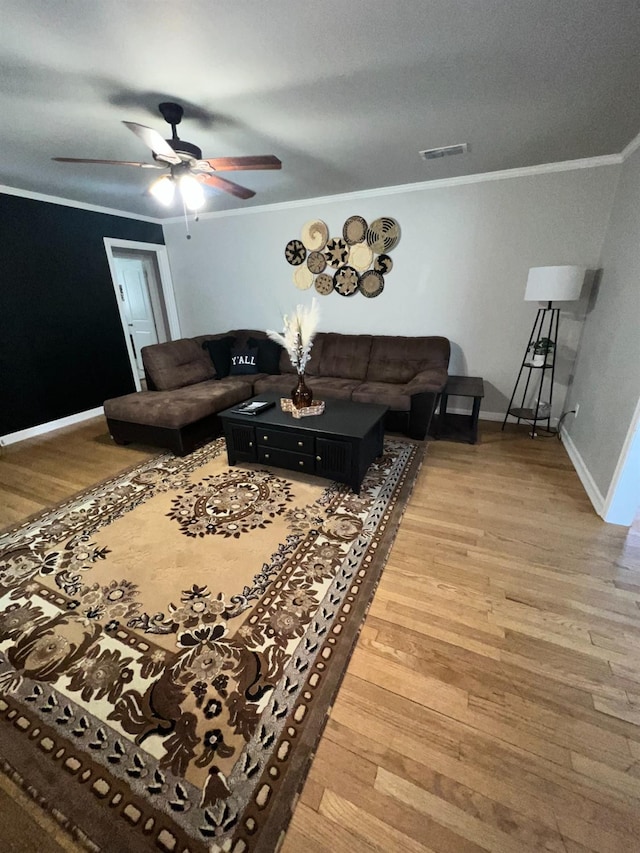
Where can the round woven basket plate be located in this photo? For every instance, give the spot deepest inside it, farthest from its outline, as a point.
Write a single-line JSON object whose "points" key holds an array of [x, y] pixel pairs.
{"points": [[360, 256], [371, 284], [324, 284], [383, 234], [303, 278], [337, 252], [315, 234], [345, 281], [295, 253], [354, 230], [383, 264], [316, 262]]}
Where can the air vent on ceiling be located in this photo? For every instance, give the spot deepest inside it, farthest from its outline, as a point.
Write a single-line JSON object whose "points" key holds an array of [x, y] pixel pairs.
{"points": [[445, 151]]}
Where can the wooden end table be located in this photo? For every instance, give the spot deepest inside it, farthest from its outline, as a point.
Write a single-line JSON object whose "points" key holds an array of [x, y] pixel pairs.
{"points": [[460, 427]]}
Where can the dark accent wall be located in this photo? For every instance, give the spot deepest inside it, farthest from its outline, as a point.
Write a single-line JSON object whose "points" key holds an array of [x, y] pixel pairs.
{"points": [[62, 347]]}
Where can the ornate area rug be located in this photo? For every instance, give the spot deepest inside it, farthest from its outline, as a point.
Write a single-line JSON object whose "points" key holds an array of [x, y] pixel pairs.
{"points": [[172, 639]]}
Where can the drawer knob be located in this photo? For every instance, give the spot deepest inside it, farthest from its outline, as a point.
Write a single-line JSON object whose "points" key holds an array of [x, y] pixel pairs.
{"points": [[318, 458], [266, 455], [265, 438], [250, 444], [301, 463], [299, 444]]}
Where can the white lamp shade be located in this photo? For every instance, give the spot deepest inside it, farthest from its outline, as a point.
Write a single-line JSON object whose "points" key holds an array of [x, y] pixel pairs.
{"points": [[554, 284]]}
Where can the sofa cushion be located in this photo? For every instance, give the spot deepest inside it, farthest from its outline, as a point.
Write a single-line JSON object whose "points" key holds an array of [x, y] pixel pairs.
{"points": [[268, 354], [181, 406], [280, 383], [385, 393], [399, 359], [321, 386], [244, 361], [176, 363], [344, 356], [324, 387], [219, 350]]}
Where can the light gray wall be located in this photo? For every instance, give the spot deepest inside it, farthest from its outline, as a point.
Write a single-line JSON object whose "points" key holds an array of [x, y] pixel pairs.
{"points": [[607, 376], [460, 268]]}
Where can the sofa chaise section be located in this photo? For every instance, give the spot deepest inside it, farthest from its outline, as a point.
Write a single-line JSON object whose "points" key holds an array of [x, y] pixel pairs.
{"points": [[179, 408]]}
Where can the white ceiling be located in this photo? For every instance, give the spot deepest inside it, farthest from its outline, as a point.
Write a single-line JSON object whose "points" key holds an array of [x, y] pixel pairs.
{"points": [[345, 94]]}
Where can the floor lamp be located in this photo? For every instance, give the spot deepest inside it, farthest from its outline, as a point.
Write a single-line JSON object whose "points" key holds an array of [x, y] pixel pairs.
{"points": [[544, 284]]}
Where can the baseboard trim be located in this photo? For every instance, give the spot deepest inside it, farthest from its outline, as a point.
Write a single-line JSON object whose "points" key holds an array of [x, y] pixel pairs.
{"points": [[484, 416], [51, 426], [593, 492], [493, 416]]}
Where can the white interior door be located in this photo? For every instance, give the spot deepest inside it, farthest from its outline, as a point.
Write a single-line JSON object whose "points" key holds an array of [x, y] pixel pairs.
{"points": [[153, 258], [137, 306]]}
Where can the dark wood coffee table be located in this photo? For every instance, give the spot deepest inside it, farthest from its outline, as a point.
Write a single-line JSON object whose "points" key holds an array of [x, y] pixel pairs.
{"points": [[339, 444]]}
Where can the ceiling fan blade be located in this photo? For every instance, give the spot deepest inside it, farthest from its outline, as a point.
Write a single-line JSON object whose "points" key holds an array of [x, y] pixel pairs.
{"points": [[229, 164], [226, 186], [154, 141], [107, 162]]}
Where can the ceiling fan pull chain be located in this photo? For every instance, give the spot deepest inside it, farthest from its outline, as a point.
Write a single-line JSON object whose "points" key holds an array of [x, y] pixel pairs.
{"points": [[186, 219]]}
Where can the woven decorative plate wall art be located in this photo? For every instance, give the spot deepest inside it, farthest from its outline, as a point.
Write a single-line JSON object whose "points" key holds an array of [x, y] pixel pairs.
{"points": [[295, 253], [324, 284], [315, 234], [316, 262], [303, 277], [383, 264], [346, 281], [354, 230], [383, 234], [337, 252], [360, 256], [371, 284]]}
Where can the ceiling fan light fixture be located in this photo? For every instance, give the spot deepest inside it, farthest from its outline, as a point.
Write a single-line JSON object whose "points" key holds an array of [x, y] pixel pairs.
{"points": [[163, 189], [191, 192], [184, 165]]}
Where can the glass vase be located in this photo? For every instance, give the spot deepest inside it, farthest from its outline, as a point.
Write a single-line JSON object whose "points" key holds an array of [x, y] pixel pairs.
{"points": [[301, 395]]}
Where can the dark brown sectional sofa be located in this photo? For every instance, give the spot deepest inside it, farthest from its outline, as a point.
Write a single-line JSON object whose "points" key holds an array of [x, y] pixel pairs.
{"points": [[179, 409]]}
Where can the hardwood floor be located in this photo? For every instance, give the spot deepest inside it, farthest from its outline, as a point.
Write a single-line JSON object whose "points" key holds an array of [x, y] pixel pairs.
{"points": [[493, 700]]}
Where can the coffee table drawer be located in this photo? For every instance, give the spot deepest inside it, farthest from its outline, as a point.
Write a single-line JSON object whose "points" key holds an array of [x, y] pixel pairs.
{"points": [[282, 440], [286, 459]]}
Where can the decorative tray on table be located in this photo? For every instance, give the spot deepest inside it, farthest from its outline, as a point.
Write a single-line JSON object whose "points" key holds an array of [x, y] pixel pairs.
{"points": [[316, 408]]}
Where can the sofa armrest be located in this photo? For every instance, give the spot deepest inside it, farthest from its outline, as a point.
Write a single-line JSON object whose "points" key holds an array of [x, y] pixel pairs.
{"points": [[425, 389], [433, 380]]}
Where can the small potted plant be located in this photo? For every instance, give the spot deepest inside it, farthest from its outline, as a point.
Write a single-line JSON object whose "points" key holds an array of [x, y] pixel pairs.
{"points": [[540, 349]]}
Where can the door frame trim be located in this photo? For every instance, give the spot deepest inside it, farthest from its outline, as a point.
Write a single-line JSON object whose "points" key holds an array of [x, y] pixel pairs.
{"points": [[166, 284]]}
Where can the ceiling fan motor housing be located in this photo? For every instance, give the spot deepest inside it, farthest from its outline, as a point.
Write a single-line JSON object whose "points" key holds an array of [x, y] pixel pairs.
{"points": [[185, 148]]}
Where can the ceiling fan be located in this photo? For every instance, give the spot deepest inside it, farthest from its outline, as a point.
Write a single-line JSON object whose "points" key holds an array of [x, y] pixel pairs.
{"points": [[187, 170]]}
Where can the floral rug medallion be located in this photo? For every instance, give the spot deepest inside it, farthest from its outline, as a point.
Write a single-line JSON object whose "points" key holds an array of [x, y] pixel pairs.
{"points": [[171, 641]]}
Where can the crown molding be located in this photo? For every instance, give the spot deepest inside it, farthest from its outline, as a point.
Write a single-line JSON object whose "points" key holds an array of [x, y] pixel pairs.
{"points": [[79, 205], [630, 148], [504, 174], [481, 177]]}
